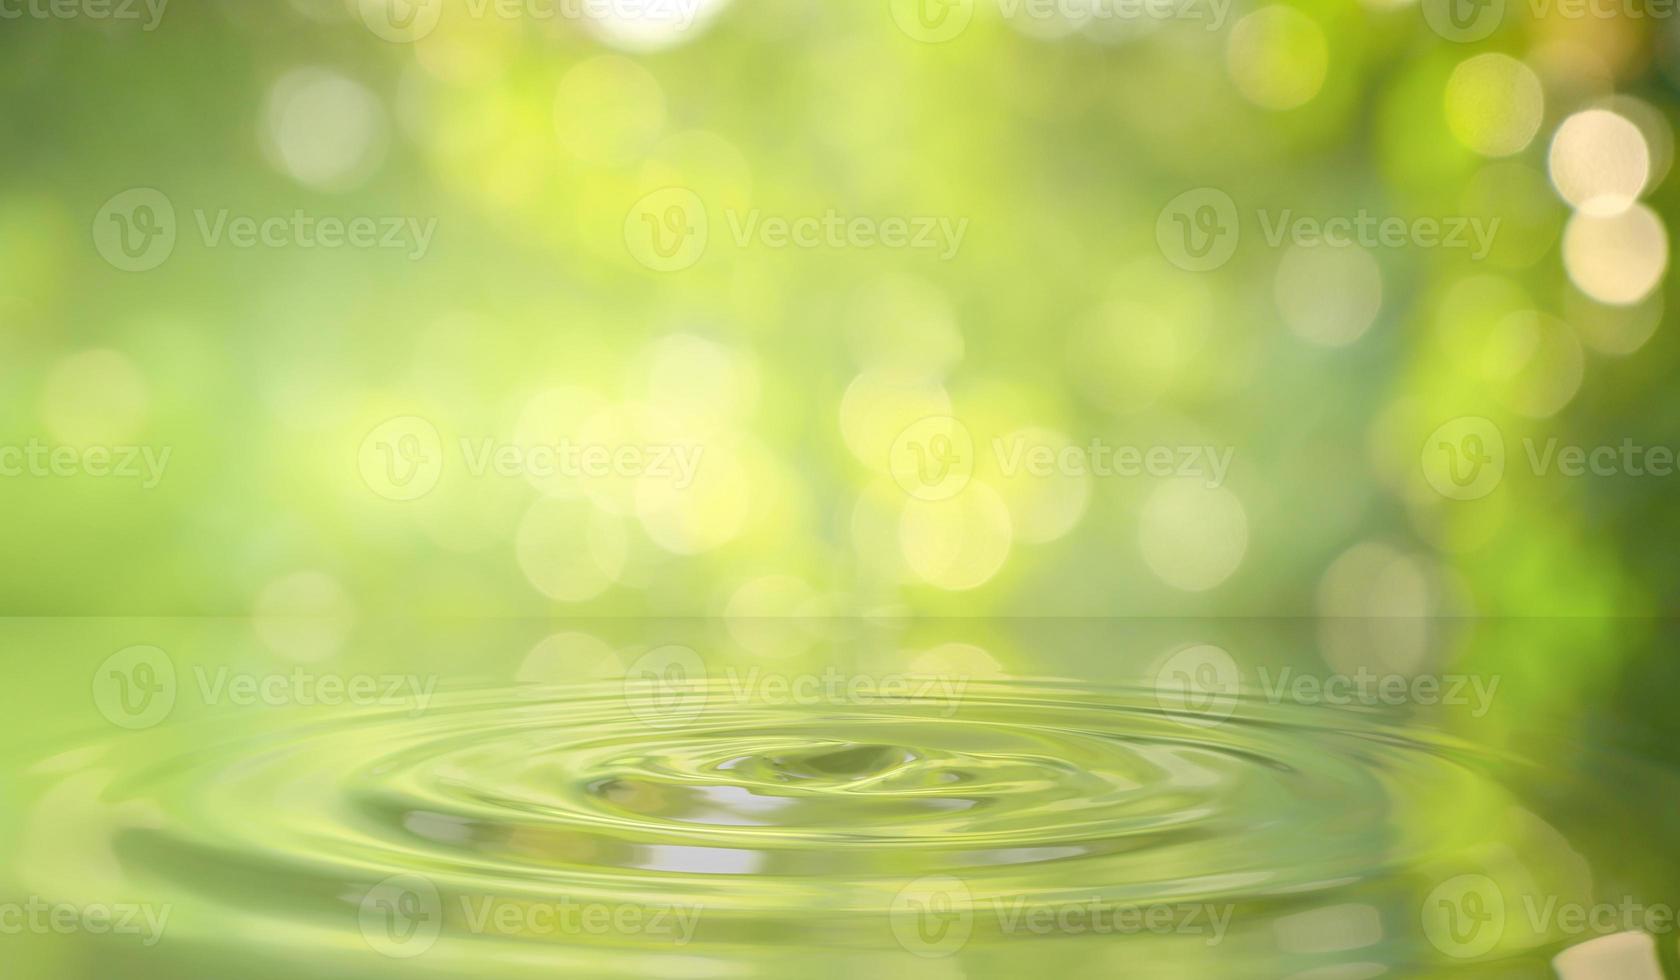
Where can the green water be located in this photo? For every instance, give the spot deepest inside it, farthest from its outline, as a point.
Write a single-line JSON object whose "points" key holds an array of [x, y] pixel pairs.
{"points": [[691, 817]]}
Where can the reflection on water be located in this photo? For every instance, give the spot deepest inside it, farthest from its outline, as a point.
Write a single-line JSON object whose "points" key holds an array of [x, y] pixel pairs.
{"points": [[667, 808]]}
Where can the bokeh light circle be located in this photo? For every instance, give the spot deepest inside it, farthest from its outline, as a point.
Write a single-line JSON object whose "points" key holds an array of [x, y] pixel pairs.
{"points": [[1328, 295], [1494, 104], [1193, 537], [1617, 259], [1599, 162], [1277, 57]]}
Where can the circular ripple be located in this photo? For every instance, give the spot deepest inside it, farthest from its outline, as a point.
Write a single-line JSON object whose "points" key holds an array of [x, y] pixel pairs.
{"points": [[769, 818]]}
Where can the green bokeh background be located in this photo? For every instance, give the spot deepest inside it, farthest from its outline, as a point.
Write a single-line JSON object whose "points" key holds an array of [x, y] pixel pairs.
{"points": [[530, 143], [263, 369]]}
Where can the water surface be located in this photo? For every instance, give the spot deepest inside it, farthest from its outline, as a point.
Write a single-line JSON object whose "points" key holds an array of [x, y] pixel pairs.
{"points": [[668, 812]]}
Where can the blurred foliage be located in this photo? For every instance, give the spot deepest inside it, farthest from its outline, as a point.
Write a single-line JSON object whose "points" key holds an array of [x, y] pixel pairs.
{"points": [[528, 141]]}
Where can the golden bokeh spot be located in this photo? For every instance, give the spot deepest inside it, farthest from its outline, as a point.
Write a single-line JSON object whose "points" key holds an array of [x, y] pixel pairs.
{"points": [[1617, 259], [1599, 162]]}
